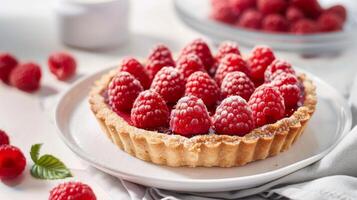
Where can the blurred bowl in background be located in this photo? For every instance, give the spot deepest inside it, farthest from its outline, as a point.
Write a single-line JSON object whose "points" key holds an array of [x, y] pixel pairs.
{"points": [[196, 15], [93, 24]]}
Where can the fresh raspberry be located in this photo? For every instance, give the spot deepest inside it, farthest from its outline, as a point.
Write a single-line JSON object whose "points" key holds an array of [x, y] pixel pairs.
{"points": [[339, 10], [189, 64], [201, 49], [7, 63], [242, 5], [190, 117], [230, 63], [223, 12], [62, 65], [73, 191], [267, 105], [122, 91], [225, 48], [275, 23], [159, 57], [259, 59], [251, 19], [150, 110], [201, 85], [311, 8], [329, 22], [237, 83], [294, 14], [169, 83], [135, 68], [233, 117], [288, 85], [26, 77], [4, 138], [12, 162], [304, 26], [271, 6], [276, 68]]}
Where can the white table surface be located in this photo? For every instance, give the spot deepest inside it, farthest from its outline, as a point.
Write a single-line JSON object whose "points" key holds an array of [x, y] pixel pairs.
{"points": [[28, 30]]}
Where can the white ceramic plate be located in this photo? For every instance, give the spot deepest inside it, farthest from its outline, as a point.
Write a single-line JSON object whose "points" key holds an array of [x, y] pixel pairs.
{"points": [[80, 131]]}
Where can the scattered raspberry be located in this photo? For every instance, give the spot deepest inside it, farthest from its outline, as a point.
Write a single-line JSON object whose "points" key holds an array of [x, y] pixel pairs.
{"points": [[259, 59], [190, 117], [201, 49], [201, 85], [225, 48], [150, 110], [233, 117], [289, 88], [304, 26], [237, 83], [294, 14], [276, 68], [329, 22], [159, 57], [62, 65], [122, 91], [7, 63], [311, 8], [275, 23], [169, 83], [26, 77], [4, 138], [338, 10], [242, 5], [251, 19], [188, 64], [135, 68], [267, 105], [12, 162], [223, 12], [230, 63], [73, 191], [271, 6]]}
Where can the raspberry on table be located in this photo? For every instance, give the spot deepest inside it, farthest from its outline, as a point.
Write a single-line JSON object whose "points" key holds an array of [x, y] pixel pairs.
{"points": [[259, 59], [329, 22], [201, 85], [26, 77], [122, 91], [62, 65], [276, 68], [304, 26], [7, 63], [169, 83], [150, 110], [225, 48], [251, 19], [159, 57], [271, 6], [275, 23], [190, 117], [288, 85], [230, 63], [135, 68], [237, 84], [293, 14], [73, 191], [339, 10], [12, 162], [233, 117], [201, 49], [4, 138], [188, 64], [311, 8], [267, 105]]}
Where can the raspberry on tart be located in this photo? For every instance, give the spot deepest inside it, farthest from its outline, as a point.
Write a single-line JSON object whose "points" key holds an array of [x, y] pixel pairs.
{"points": [[169, 83], [73, 191], [159, 57], [251, 18], [304, 26], [237, 83], [329, 22], [233, 117], [201, 85], [12, 162], [230, 63], [288, 85], [201, 49], [294, 14], [271, 6], [189, 64], [339, 10], [223, 12], [135, 68], [275, 23], [258, 60], [225, 48], [276, 68]]}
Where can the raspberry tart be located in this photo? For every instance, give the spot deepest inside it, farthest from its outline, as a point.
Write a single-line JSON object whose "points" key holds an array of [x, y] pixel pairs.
{"points": [[205, 110]]}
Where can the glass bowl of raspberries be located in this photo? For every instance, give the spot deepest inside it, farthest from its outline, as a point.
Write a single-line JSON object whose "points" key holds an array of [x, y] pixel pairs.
{"points": [[304, 26]]}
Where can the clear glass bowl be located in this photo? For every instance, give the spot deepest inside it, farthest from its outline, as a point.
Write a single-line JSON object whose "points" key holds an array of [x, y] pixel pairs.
{"points": [[195, 14]]}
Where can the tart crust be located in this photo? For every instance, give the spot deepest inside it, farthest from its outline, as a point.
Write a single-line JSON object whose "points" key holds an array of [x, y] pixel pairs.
{"points": [[202, 150]]}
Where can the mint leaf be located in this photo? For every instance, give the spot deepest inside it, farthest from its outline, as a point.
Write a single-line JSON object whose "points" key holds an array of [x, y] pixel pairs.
{"points": [[47, 166]]}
